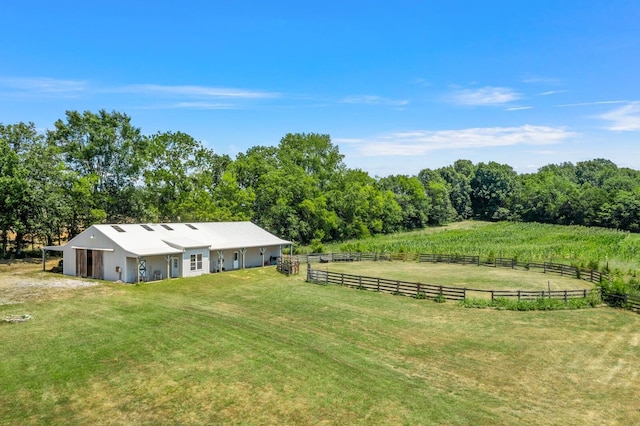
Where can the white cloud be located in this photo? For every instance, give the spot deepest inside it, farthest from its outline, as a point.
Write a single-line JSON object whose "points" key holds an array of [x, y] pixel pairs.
{"points": [[192, 105], [625, 118], [43, 85], [421, 142], [541, 80], [551, 92], [373, 100], [194, 91], [594, 103], [485, 96], [519, 108]]}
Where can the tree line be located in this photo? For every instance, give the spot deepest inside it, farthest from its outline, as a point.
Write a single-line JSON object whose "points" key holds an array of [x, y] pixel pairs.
{"points": [[99, 168]]}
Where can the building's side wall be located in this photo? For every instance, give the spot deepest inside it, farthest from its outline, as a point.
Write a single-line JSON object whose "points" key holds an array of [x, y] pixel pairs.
{"points": [[131, 271], [252, 259], [68, 261], [155, 264], [186, 262]]}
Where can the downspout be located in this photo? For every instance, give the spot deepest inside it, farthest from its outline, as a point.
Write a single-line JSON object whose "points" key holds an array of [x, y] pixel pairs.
{"points": [[138, 269]]}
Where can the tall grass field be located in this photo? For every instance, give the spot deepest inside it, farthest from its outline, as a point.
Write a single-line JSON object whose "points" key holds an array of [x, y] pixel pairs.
{"points": [[583, 246], [255, 347]]}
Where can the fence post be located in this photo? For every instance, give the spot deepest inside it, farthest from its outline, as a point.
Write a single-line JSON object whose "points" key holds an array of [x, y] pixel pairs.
{"points": [[492, 296], [326, 277], [417, 289], [518, 295], [398, 286], [565, 296], [308, 272], [360, 281], [341, 279], [378, 284]]}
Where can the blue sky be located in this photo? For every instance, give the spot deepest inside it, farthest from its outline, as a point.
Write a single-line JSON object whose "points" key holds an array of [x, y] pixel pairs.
{"points": [[399, 85]]}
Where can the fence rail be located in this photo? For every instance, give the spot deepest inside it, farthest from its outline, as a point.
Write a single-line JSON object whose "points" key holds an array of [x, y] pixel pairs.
{"points": [[621, 300], [431, 291], [590, 275]]}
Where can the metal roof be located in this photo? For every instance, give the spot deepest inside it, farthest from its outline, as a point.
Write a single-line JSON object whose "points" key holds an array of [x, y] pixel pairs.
{"points": [[169, 238]]}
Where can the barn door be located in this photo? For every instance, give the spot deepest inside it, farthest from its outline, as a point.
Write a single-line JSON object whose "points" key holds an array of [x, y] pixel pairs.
{"points": [[98, 266], [81, 263]]}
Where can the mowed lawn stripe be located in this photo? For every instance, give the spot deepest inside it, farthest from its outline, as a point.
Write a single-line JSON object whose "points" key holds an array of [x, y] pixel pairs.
{"points": [[255, 347]]}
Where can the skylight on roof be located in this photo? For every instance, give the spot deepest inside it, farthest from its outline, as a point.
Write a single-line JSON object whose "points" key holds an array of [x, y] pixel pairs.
{"points": [[167, 227], [191, 226], [147, 227], [117, 228]]}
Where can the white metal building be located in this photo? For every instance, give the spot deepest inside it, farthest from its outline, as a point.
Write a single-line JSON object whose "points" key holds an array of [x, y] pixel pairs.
{"points": [[148, 252]]}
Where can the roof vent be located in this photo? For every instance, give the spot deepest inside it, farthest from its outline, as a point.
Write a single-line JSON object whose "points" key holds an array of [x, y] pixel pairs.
{"points": [[117, 228], [191, 226], [147, 227], [167, 227]]}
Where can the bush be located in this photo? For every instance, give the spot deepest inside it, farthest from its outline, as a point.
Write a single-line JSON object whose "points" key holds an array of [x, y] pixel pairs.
{"points": [[539, 304], [317, 246], [439, 299]]}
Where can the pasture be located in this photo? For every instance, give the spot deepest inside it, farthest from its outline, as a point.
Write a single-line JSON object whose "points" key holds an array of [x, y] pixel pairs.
{"points": [[255, 347], [596, 248], [470, 276]]}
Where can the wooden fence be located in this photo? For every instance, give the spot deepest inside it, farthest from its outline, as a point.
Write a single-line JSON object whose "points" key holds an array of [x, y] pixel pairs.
{"points": [[288, 265], [621, 300], [429, 291], [590, 275]]}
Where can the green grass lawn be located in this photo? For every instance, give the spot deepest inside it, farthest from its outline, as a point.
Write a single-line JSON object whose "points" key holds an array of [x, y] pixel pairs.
{"points": [[254, 347]]}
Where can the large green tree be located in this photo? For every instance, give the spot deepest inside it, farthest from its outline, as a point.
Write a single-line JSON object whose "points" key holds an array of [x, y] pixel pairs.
{"points": [[107, 152], [492, 186], [410, 195]]}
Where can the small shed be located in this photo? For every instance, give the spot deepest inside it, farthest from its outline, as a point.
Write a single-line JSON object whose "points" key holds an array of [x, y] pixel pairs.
{"points": [[147, 252]]}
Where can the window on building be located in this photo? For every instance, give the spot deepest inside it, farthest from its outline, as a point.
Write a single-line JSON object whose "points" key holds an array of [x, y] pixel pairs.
{"points": [[196, 262]]}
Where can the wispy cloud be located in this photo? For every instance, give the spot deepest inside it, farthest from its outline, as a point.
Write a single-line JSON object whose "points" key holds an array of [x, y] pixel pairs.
{"points": [[193, 91], [421, 142], [192, 105], [43, 85], [373, 100], [485, 96], [551, 92], [520, 108], [594, 103], [421, 82], [625, 118], [541, 80]]}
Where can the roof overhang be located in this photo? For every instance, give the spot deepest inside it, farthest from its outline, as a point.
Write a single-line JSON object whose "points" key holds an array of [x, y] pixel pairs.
{"points": [[91, 248]]}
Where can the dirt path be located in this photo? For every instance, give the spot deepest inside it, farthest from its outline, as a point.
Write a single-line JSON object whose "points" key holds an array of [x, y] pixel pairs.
{"points": [[24, 280]]}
